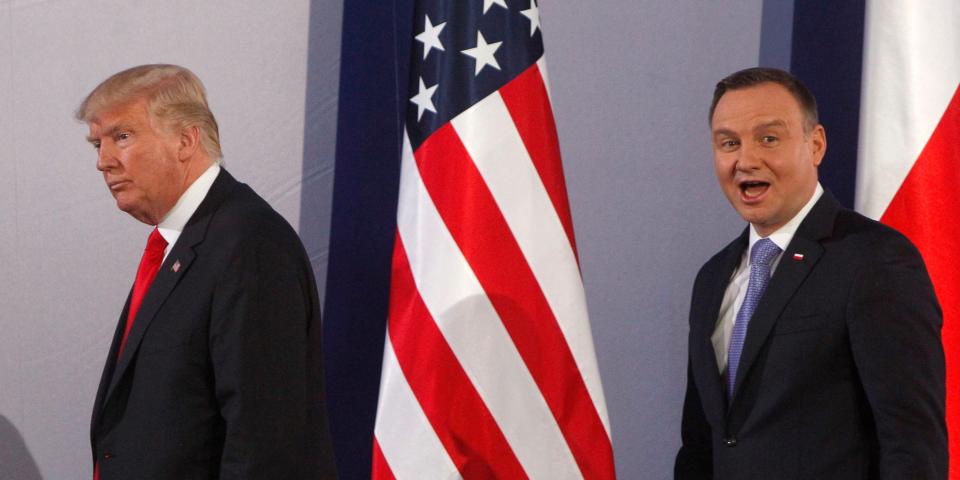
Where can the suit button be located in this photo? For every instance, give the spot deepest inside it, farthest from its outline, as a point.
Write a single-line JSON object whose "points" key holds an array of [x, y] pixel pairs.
{"points": [[730, 441], [107, 456]]}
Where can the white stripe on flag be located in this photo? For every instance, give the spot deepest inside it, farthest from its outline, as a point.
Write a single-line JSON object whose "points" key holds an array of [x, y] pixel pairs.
{"points": [[406, 438], [542, 66], [492, 140], [471, 327], [904, 47]]}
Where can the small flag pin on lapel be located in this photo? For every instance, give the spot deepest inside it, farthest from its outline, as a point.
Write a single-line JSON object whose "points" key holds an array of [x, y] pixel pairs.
{"points": [[176, 266], [798, 256]]}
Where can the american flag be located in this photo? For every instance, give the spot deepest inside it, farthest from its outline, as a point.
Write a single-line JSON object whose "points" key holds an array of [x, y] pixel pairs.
{"points": [[489, 368]]}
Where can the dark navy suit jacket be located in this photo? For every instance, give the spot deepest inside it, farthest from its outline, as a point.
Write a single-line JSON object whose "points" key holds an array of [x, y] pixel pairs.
{"points": [[842, 370], [221, 375]]}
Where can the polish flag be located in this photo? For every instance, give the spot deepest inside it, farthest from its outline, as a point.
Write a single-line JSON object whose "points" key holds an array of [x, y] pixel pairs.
{"points": [[909, 167]]}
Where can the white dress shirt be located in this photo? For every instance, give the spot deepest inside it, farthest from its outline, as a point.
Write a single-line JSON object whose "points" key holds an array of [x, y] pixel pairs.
{"points": [[172, 225], [737, 290]]}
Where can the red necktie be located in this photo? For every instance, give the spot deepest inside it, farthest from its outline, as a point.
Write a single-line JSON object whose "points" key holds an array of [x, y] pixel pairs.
{"points": [[149, 266]]}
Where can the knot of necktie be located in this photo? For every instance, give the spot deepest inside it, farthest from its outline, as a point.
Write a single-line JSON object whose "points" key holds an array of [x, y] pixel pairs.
{"points": [[764, 251], [155, 243]]}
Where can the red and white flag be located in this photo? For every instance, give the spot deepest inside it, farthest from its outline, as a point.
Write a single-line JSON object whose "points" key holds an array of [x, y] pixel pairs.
{"points": [[909, 167], [489, 368]]}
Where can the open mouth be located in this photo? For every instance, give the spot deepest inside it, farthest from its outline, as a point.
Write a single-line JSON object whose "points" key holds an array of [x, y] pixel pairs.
{"points": [[753, 190]]}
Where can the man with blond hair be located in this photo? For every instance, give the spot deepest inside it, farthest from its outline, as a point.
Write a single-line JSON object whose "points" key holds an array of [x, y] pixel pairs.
{"points": [[215, 367]]}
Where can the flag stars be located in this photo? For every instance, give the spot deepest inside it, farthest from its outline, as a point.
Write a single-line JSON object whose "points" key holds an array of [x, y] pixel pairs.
{"points": [[489, 3], [483, 53], [424, 99], [533, 14], [430, 37]]}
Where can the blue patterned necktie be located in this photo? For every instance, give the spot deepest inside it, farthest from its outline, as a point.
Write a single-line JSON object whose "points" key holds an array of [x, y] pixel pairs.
{"points": [[762, 255]]}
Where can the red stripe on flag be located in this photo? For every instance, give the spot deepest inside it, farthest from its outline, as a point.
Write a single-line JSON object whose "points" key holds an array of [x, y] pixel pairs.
{"points": [[926, 209], [381, 470], [529, 106], [462, 421], [472, 216]]}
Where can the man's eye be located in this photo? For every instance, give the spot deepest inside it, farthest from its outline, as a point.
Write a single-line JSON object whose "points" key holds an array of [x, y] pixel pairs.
{"points": [[768, 139], [729, 143], [123, 136], [96, 145]]}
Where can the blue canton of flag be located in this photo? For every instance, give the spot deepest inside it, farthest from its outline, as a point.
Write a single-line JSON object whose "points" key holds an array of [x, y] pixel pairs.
{"points": [[464, 51]]}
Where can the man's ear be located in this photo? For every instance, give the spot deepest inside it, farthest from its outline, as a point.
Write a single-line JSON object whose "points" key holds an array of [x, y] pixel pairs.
{"points": [[818, 144], [189, 142]]}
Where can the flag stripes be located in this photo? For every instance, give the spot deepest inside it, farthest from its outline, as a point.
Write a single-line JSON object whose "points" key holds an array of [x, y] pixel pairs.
{"points": [[469, 323], [488, 326], [407, 428], [380, 469], [455, 410], [497, 151], [476, 221], [529, 104]]}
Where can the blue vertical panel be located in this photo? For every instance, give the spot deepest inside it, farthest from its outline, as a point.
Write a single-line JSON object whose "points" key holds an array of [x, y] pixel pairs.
{"points": [[828, 56], [776, 34], [319, 132], [373, 74]]}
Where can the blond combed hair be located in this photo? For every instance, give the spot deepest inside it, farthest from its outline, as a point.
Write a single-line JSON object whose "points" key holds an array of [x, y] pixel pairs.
{"points": [[175, 99]]}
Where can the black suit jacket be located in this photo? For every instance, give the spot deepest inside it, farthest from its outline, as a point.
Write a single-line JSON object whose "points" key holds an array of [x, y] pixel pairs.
{"points": [[842, 370], [221, 374]]}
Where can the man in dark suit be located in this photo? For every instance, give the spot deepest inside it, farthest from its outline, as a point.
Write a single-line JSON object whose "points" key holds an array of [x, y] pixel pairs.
{"points": [[215, 366], [814, 349]]}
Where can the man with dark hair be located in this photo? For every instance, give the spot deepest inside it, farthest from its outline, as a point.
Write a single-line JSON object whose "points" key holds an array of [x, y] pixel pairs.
{"points": [[755, 76], [214, 370], [814, 349]]}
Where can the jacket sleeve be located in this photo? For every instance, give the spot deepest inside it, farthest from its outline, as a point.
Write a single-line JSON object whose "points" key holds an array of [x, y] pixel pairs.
{"points": [[894, 322], [695, 458], [260, 343]]}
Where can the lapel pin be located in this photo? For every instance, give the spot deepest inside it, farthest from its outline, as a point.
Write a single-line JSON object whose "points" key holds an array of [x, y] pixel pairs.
{"points": [[798, 257], [176, 266]]}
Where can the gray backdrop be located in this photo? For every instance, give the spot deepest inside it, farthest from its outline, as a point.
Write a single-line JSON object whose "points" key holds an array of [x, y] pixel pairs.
{"points": [[631, 82]]}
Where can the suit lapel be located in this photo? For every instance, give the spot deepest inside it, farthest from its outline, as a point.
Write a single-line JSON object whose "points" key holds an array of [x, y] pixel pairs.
{"points": [[705, 313], [160, 289], [787, 279], [174, 267]]}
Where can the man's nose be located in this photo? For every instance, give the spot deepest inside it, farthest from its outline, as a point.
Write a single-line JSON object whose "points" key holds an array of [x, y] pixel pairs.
{"points": [[106, 159], [749, 158]]}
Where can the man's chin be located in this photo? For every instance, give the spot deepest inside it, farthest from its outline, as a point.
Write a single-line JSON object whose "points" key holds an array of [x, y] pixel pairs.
{"points": [[125, 206], [754, 214], [133, 211]]}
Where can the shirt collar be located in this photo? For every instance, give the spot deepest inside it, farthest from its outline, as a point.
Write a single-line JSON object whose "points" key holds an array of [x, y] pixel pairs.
{"points": [[172, 225], [784, 235]]}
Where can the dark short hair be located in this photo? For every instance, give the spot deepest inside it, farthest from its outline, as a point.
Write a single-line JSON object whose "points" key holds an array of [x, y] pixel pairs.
{"points": [[755, 76]]}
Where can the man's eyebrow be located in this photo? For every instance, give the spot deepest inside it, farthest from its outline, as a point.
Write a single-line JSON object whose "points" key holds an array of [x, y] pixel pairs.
{"points": [[109, 132], [724, 131], [771, 124], [763, 126]]}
